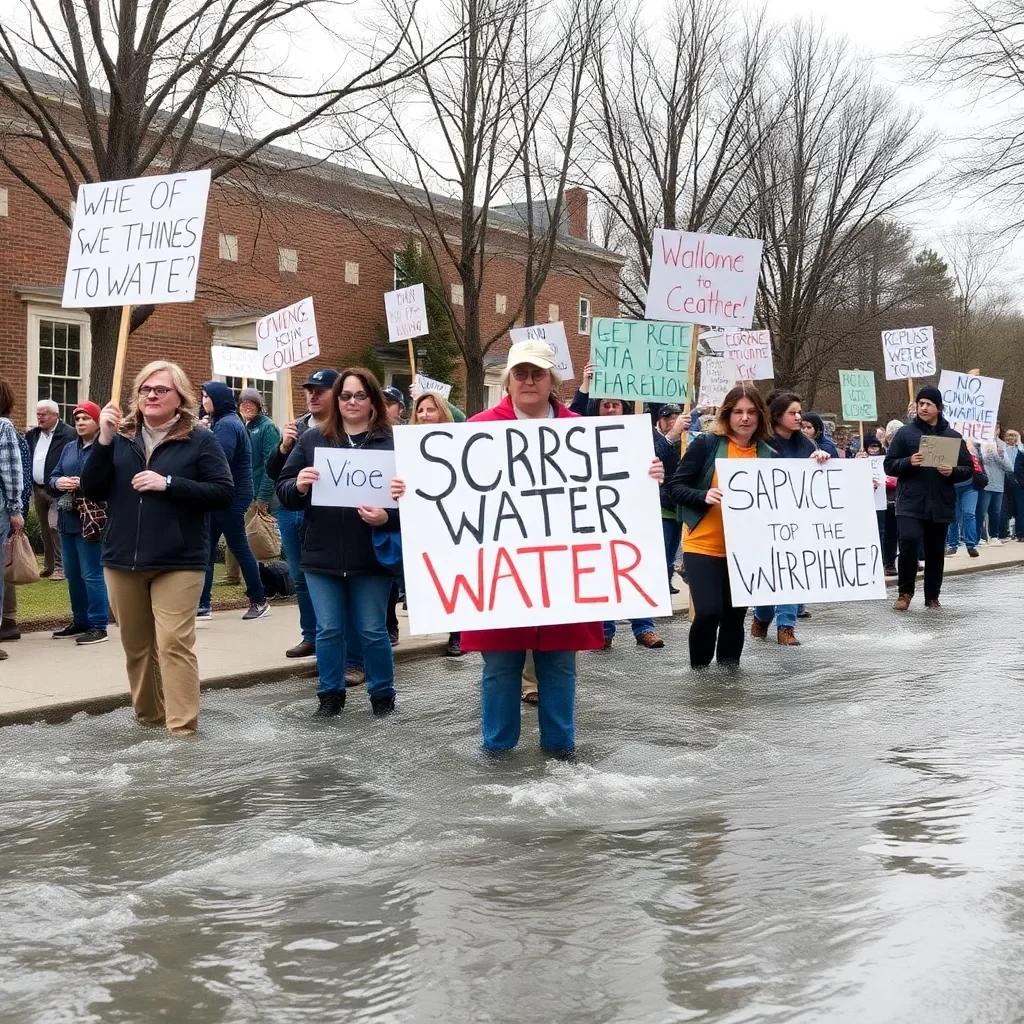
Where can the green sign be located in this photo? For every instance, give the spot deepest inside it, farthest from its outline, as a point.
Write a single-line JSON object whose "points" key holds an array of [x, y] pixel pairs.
{"points": [[640, 360], [858, 390]]}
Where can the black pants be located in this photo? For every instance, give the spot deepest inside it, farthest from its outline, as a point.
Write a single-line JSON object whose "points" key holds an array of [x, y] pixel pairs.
{"points": [[915, 533], [717, 627], [889, 536]]}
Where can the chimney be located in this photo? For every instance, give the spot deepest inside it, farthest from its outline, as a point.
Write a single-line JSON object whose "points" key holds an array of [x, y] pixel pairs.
{"points": [[576, 213]]}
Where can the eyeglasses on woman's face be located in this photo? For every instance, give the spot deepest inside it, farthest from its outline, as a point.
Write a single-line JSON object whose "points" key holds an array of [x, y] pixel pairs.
{"points": [[534, 373], [158, 391], [353, 396]]}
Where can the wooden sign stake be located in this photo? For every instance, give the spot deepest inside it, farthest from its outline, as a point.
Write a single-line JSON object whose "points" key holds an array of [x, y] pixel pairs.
{"points": [[690, 384], [245, 383], [412, 360], [289, 397], [860, 423], [910, 388], [122, 351]]}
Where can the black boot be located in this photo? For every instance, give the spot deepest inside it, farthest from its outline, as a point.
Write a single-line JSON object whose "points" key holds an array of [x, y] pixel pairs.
{"points": [[382, 706], [9, 630], [330, 704]]}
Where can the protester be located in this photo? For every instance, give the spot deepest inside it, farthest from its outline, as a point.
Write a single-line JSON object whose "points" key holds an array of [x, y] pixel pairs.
{"points": [[890, 538], [997, 460], [45, 443], [1013, 496], [964, 526], [668, 434], [395, 402], [813, 426], [9, 623], [82, 568], [925, 498], [161, 476], [347, 583], [228, 428], [741, 431], [12, 519]]}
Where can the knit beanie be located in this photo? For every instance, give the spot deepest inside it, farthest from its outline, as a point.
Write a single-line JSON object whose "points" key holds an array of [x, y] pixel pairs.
{"points": [[91, 409], [932, 394], [251, 395]]}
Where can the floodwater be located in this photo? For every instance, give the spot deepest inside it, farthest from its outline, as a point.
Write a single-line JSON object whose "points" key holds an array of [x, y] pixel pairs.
{"points": [[834, 833]]}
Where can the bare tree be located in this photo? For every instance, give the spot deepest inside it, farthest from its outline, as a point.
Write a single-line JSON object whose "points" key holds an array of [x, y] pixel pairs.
{"points": [[129, 84]]}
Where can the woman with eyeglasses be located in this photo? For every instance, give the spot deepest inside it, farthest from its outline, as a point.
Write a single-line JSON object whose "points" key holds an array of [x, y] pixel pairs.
{"points": [[347, 583], [161, 476]]}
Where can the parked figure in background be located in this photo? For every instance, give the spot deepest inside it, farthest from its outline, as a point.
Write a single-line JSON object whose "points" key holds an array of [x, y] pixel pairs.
{"points": [[81, 550], [890, 539], [9, 625], [997, 460], [161, 476], [1013, 496], [45, 443], [394, 400], [12, 520]]}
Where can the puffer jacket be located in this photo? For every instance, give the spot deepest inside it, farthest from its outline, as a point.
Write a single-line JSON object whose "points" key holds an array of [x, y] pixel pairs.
{"points": [[923, 492], [228, 428]]}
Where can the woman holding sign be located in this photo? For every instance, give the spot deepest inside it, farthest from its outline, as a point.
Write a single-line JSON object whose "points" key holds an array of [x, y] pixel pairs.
{"points": [[347, 583]]}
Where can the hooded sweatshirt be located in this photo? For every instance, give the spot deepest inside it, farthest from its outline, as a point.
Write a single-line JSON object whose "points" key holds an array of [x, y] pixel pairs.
{"points": [[230, 431]]}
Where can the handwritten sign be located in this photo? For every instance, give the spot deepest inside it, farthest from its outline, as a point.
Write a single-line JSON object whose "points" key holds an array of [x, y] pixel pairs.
{"points": [[858, 390], [350, 477], [704, 279], [529, 523], [939, 451], [797, 532], [640, 361], [751, 351], [406, 310], [878, 481], [554, 334], [288, 337], [433, 387], [909, 352], [717, 379], [136, 241], [970, 404], [238, 362]]}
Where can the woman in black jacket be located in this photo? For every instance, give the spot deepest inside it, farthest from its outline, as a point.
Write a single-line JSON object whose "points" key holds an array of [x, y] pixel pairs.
{"points": [[161, 475], [346, 581]]}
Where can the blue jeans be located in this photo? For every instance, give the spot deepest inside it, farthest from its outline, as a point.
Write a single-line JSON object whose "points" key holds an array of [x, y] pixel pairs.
{"points": [[86, 585], [990, 504], [965, 526], [639, 626], [290, 524], [784, 614], [672, 531], [352, 605], [501, 699], [231, 525]]}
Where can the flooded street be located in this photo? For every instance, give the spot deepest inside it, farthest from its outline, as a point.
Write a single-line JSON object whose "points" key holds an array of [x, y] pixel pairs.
{"points": [[832, 833]]}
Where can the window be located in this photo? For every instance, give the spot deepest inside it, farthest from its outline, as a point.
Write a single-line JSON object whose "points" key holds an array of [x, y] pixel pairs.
{"points": [[288, 261], [60, 365], [264, 387], [227, 246], [457, 295], [402, 277], [3, 202], [584, 317], [554, 313], [500, 303], [351, 272]]}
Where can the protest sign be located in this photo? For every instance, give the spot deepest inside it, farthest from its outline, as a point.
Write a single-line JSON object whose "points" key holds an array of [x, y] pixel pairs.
{"points": [[554, 334], [751, 351], [704, 279], [878, 481], [909, 352], [350, 477], [288, 337], [717, 378], [530, 522], [939, 451], [136, 241], [970, 404], [238, 362], [858, 390], [433, 387], [639, 360], [406, 311], [797, 532]]}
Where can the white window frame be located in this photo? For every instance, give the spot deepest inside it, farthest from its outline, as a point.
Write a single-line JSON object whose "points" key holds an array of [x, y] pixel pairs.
{"points": [[458, 295], [243, 335], [492, 384], [351, 272], [36, 311], [227, 247], [500, 303], [4, 208], [580, 318], [554, 313], [285, 260]]}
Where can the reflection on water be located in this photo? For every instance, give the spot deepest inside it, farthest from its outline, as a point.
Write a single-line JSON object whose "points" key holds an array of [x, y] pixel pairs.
{"points": [[832, 833]]}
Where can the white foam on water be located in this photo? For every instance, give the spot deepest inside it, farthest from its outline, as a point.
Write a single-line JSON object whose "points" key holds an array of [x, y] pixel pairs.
{"points": [[60, 915], [111, 776], [313, 944]]}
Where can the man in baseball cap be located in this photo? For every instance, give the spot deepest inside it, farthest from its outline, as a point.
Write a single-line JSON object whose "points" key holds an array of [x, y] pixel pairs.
{"points": [[395, 401]]}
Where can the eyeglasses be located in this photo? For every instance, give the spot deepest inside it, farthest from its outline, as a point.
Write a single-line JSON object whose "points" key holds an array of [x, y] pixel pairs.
{"points": [[159, 391], [353, 396], [521, 373]]}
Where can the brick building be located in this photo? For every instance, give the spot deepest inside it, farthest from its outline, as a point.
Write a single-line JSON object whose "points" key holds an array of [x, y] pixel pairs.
{"points": [[326, 231]]}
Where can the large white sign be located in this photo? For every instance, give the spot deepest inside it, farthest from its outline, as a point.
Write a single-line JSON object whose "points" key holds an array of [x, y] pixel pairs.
{"points": [[970, 404], [428, 385], [703, 279], [554, 334], [288, 337], [136, 241], [238, 362], [878, 481], [797, 532], [751, 352], [350, 477], [909, 352], [530, 523], [717, 378], [406, 310]]}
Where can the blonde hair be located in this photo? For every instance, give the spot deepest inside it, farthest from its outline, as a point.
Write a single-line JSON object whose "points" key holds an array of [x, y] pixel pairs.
{"points": [[181, 383], [443, 409]]}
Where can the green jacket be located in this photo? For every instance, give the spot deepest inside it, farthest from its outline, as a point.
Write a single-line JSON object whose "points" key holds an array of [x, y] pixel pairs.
{"points": [[264, 439]]}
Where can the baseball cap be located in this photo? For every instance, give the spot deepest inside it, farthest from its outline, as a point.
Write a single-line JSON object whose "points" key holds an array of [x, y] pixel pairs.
{"points": [[671, 409], [321, 379], [535, 352], [393, 394]]}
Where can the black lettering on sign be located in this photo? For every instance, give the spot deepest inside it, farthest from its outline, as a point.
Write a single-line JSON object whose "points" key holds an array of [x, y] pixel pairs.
{"points": [[439, 460]]}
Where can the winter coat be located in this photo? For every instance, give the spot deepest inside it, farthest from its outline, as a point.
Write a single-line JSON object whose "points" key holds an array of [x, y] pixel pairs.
{"points": [[264, 440], [71, 463], [670, 454], [335, 541], [576, 636], [228, 428], [997, 464], [1018, 468], [797, 446], [277, 458], [159, 530], [923, 492], [63, 434]]}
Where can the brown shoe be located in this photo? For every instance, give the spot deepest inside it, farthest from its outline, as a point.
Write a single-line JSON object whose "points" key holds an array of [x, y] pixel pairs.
{"points": [[648, 638], [355, 677], [933, 603], [303, 649], [787, 637], [902, 603], [758, 629]]}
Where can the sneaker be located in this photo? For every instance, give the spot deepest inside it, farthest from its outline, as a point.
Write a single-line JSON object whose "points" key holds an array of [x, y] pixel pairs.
{"points": [[891, 570], [57, 576], [355, 677], [393, 637], [330, 704], [902, 603], [68, 631], [204, 614], [995, 540], [982, 542], [9, 630], [758, 629], [303, 649], [228, 583], [787, 637], [382, 706], [607, 645], [974, 552], [454, 648], [256, 611], [803, 613], [92, 636], [933, 603], [950, 552], [649, 639]]}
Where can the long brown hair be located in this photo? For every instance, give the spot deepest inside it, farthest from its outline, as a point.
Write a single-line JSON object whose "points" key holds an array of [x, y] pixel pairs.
{"points": [[743, 390], [335, 427], [6, 398], [443, 409]]}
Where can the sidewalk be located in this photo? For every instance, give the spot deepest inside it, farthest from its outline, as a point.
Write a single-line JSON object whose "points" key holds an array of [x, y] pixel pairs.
{"points": [[53, 679]]}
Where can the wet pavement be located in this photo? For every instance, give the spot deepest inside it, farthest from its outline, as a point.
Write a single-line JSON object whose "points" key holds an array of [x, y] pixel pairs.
{"points": [[834, 833]]}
